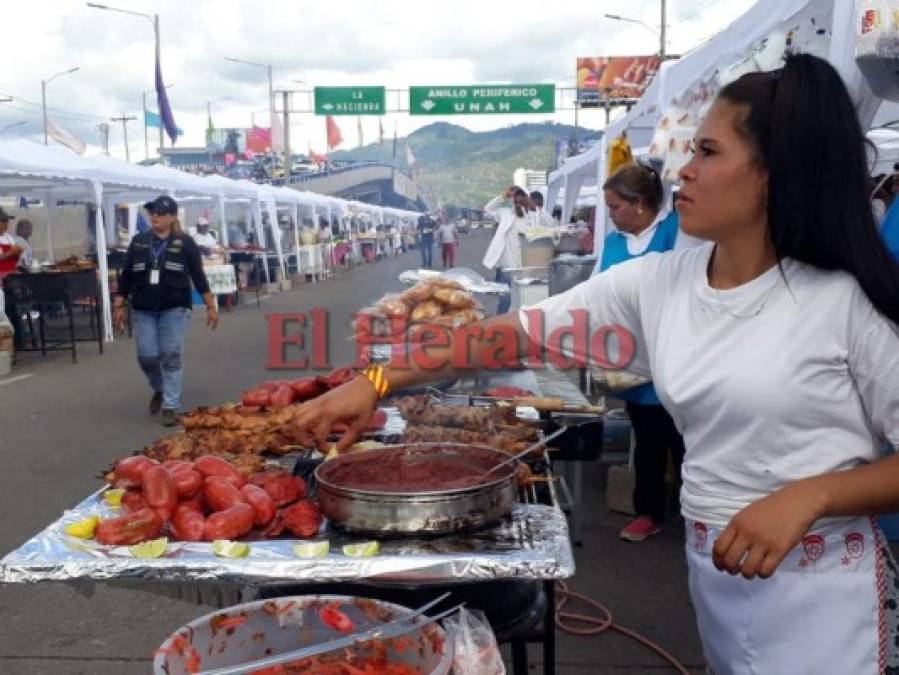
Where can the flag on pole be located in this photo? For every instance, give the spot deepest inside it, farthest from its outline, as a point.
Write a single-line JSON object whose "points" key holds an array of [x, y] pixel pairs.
{"points": [[333, 131], [410, 158], [152, 119], [380, 132], [259, 140], [65, 138], [162, 103]]}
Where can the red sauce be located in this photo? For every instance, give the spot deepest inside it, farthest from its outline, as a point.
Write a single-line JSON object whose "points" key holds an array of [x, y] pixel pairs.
{"points": [[404, 470]]}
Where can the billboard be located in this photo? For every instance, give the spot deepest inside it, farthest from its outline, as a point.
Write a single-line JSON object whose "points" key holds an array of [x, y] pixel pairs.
{"points": [[605, 77], [256, 140]]}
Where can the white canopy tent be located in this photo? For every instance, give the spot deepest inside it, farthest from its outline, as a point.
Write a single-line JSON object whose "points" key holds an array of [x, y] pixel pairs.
{"points": [[822, 27], [30, 169], [50, 173], [242, 194]]}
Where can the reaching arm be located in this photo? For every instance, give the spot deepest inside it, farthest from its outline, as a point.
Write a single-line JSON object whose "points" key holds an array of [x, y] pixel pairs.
{"points": [[493, 207], [608, 300], [498, 341]]}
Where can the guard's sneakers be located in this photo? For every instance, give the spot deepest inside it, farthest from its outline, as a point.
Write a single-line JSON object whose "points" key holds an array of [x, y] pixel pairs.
{"points": [[156, 403], [640, 529], [169, 417]]}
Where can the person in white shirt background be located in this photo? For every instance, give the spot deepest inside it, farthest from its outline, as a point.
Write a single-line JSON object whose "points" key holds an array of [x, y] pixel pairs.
{"points": [[205, 239], [504, 250], [24, 230], [774, 346], [544, 219]]}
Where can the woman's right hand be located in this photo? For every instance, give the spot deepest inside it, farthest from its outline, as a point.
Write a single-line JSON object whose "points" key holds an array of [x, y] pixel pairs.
{"points": [[352, 403]]}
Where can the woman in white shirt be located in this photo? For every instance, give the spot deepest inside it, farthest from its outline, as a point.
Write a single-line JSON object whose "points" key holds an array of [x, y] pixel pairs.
{"points": [[774, 347]]}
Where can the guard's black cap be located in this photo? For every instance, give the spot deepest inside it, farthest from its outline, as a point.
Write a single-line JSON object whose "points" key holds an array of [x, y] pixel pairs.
{"points": [[163, 205]]}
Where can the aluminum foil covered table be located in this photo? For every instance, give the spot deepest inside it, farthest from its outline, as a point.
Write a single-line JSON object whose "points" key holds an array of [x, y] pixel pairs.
{"points": [[532, 544]]}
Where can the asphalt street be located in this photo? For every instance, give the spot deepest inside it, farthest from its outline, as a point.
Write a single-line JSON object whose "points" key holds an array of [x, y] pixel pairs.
{"points": [[63, 423]]}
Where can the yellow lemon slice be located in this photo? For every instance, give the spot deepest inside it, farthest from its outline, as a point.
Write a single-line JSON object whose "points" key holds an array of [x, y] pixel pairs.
{"points": [[113, 498], [312, 549], [155, 548], [226, 548], [83, 529], [364, 550]]}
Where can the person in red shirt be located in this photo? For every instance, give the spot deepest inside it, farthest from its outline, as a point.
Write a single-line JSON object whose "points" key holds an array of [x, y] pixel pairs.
{"points": [[9, 249]]}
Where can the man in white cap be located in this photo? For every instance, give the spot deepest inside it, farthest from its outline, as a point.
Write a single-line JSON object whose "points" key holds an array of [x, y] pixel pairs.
{"points": [[205, 239]]}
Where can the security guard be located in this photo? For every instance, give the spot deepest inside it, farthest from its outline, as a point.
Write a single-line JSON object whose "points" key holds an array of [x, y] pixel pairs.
{"points": [[159, 267]]}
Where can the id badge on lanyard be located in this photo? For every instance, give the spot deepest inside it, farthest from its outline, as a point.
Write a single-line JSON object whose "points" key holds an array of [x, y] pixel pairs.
{"points": [[158, 253]]}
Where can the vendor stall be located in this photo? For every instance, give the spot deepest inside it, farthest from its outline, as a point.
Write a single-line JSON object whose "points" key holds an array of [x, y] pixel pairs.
{"points": [[46, 290]]}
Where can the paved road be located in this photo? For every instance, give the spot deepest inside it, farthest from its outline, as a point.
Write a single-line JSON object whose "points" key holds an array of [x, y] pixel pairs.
{"points": [[64, 423]]}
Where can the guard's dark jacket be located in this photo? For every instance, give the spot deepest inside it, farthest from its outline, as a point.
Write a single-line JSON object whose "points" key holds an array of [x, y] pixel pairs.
{"points": [[179, 262]]}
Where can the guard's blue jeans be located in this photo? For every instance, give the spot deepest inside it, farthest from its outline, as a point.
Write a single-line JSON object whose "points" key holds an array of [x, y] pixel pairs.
{"points": [[159, 337]]}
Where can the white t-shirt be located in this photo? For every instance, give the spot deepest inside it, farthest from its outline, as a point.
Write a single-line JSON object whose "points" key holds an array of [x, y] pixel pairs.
{"points": [[207, 240], [804, 382]]}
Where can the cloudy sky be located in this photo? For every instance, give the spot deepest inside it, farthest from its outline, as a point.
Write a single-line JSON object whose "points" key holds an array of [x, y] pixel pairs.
{"points": [[395, 43]]}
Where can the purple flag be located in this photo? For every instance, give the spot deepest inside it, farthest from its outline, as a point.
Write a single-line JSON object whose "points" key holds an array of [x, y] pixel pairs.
{"points": [[162, 102]]}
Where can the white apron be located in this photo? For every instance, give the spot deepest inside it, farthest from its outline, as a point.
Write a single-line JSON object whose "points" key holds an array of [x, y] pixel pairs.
{"points": [[829, 609]]}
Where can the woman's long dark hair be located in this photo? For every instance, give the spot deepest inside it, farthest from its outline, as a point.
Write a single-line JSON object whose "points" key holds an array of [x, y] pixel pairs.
{"points": [[805, 131]]}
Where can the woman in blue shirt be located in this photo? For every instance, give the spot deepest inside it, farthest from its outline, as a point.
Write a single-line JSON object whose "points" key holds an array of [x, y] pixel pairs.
{"points": [[634, 198]]}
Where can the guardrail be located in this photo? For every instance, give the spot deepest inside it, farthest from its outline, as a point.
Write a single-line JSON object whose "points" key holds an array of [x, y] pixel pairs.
{"points": [[313, 175]]}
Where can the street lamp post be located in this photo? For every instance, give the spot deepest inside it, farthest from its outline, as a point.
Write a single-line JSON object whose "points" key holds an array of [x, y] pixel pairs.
{"points": [[44, 84], [209, 119], [153, 19], [271, 90], [661, 34]]}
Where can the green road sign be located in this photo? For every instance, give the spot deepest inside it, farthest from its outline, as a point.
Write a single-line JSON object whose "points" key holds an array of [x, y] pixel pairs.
{"points": [[482, 99], [349, 101]]}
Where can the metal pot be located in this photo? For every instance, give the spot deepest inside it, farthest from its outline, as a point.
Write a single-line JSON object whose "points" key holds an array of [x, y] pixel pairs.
{"points": [[381, 513]]}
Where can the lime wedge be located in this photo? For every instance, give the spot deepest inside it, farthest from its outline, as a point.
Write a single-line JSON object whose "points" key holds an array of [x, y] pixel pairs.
{"points": [[364, 550], [226, 548], [113, 498], [332, 452], [83, 529], [155, 548], [312, 549]]}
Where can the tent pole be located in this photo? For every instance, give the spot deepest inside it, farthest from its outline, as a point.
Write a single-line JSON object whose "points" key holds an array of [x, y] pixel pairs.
{"points": [[50, 251], [103, 263]]}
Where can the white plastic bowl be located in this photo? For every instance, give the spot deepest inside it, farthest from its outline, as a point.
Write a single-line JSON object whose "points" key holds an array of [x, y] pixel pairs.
{"points": [[254, 630]]}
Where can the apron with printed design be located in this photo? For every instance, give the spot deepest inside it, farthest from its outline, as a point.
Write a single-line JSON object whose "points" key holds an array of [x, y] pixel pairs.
{"points": [[830, 608]]}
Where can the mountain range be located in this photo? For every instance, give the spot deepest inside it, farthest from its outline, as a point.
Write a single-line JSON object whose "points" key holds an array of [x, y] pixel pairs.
{"points": [[457, 166]]}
